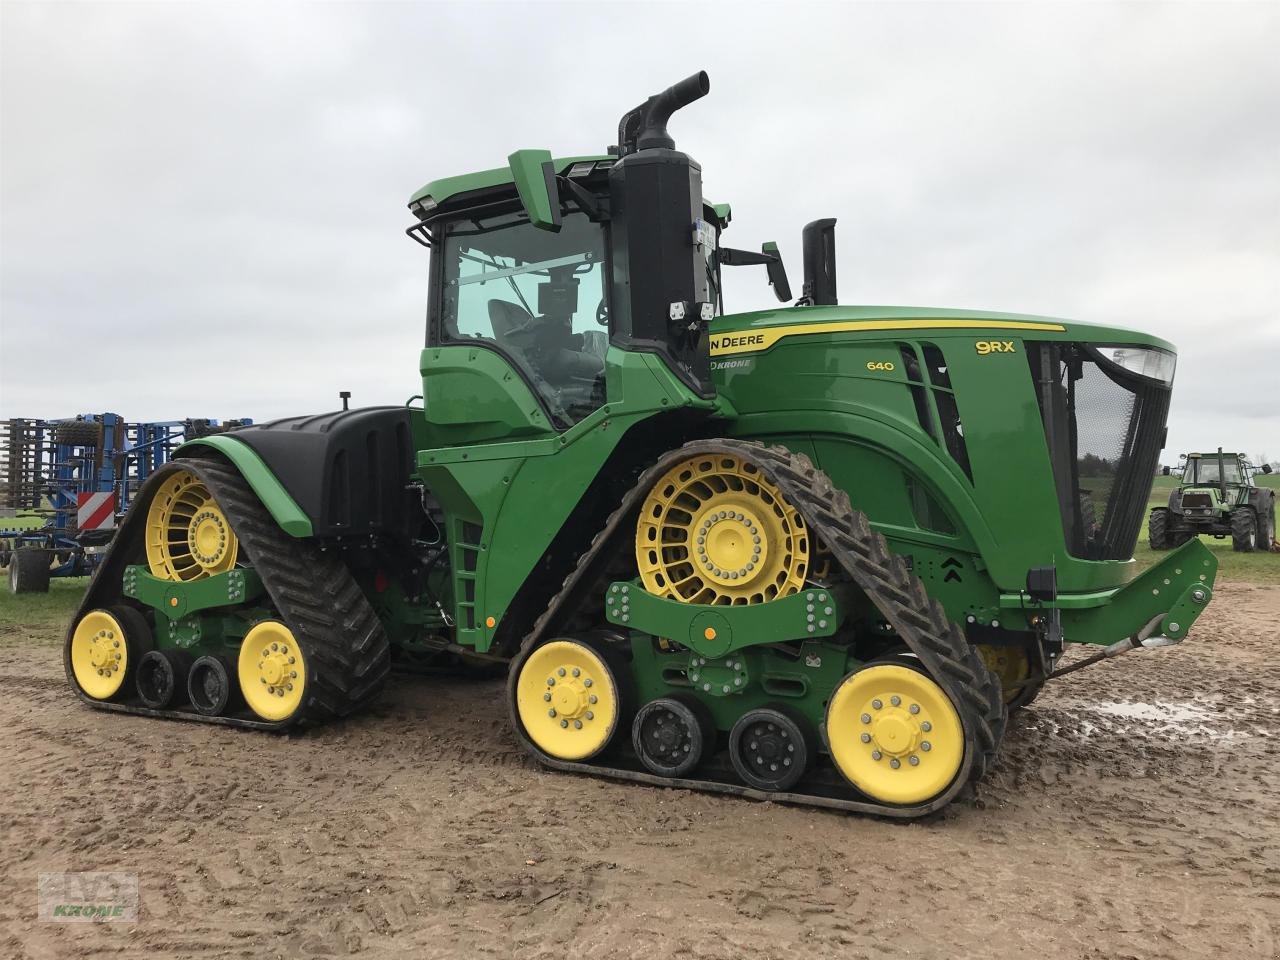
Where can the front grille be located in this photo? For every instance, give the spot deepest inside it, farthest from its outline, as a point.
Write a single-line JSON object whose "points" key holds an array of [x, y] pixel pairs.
{"points": [[1196, 501], [1105, 430]]}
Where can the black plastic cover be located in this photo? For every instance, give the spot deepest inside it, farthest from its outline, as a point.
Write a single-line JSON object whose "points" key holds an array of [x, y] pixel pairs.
{"points": [[348, 471], [656, 195]]}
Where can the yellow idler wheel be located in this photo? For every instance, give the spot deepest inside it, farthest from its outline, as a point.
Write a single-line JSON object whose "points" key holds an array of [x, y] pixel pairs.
{"points": [[894, 734], [714, 530], [105, 646], [1010, 665], [188, 535], [272, 671], [567, 699]]}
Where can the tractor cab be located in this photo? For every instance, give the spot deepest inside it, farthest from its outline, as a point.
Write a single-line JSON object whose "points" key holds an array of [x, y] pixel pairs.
{"points": [[541, 267], [1203, 470]]}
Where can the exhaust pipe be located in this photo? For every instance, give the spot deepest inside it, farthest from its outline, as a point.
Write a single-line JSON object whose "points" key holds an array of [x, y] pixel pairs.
{"points": [[819, 239], [645, 127]]}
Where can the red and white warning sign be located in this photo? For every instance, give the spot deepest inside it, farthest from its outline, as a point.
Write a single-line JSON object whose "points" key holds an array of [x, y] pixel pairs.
{"points": [[96, 511]]}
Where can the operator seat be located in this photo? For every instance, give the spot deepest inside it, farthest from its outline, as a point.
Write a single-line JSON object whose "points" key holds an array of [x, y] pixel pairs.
{"points": [[506, 318]]}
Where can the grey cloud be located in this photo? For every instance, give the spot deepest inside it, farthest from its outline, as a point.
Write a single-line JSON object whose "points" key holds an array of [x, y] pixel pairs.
{"points": [[202, 205]]}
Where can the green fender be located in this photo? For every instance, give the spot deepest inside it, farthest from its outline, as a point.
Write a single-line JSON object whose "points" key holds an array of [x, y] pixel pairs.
{"points": [[283, 508]]}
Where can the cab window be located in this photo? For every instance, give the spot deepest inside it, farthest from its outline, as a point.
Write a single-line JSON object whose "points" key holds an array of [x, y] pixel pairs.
{"points": [[538, 296]]}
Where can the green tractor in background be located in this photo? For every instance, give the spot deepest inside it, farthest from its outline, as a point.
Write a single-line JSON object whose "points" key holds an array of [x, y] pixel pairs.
{"points": [[1217, 497], [813, 553]]}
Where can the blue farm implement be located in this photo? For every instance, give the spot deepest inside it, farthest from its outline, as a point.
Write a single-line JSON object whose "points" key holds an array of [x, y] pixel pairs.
{"points": [[67, 481]]}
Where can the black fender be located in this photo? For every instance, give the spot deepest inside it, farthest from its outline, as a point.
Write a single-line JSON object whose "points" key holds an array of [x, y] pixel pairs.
{"points": [[349, 471]]}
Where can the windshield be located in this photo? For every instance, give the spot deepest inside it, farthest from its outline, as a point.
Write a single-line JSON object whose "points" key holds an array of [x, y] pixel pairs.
{"points": [[1205, 470], [538, 296]]}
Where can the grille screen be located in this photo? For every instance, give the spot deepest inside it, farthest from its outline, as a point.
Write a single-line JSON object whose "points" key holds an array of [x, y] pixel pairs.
{"points": [[1105, 429]]}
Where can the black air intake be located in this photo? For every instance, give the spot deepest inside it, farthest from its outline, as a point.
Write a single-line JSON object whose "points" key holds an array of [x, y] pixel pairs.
{"points": [[645, 126]]}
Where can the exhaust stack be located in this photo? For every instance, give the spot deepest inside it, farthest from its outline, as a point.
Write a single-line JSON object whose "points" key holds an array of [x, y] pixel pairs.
{"points": [[819, 239], [660, 299]]}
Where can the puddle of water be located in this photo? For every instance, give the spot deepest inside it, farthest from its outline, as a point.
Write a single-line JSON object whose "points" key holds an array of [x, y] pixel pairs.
{"points": [[1162, 712], [1159, 718]]}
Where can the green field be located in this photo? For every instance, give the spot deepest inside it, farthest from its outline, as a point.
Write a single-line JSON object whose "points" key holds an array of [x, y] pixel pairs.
{"points": [[39, 617], [23, 521]]}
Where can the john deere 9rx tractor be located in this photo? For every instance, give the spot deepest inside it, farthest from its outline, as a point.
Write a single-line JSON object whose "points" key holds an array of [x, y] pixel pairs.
{"points": [[1216, 496], [812, 553]]}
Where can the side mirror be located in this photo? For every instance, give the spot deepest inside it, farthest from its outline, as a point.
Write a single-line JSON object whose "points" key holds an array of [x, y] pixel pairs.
{"points": [[1266, 468], [535, 179], [769, 256], [777, 271], [1164, 471]]}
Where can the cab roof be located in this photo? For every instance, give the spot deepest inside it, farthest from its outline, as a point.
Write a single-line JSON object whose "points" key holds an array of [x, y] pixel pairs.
{"points": [[445, 189], [448, 187]]}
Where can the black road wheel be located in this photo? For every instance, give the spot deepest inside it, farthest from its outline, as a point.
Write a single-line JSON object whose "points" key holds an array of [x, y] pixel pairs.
{"points": [[1158, 529], [29, 570], [671, 735], [161, 678], [1244, 530], [768, 749], [212, 686]]}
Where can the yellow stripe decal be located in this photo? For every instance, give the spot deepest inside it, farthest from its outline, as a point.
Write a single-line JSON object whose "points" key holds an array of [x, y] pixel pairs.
{"points": [[752, 341]]}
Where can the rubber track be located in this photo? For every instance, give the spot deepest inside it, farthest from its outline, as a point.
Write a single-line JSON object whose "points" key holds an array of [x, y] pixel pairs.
{"points": [[348, 656], [863, 554]]}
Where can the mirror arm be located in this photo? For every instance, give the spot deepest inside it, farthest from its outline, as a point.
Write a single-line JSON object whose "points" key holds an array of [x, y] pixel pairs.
{"points": [[583, 197], [743, 258]]}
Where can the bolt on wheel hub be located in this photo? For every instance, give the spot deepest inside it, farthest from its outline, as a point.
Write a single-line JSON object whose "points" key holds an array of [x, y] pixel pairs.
{"points": [[207, 537], [894, 733], [731, 545], [570, 698]]}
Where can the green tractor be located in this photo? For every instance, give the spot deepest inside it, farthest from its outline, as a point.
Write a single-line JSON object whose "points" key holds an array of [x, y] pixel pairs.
{"points": [[1217, 497], [813, 553]]}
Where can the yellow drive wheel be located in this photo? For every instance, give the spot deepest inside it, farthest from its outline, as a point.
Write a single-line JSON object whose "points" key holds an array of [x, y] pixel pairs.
{"points": [[714, 530], [1010, 665], [102, 652], [895, 734], [272, 671], [188, 535], [567, 699]]}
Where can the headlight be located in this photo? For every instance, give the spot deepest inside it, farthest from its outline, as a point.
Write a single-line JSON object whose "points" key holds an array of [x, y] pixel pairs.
{"points": [[1148, 362]]}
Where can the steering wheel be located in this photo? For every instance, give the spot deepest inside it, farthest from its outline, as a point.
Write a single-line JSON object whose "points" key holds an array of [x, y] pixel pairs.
{"points": [[602, 313]]}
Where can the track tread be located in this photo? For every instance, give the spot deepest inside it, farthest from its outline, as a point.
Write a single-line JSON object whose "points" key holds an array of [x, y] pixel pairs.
{"points": [[314, 594], [863, 553]]}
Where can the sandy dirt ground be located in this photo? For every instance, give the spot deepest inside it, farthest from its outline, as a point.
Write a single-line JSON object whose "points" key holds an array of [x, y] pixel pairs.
{"points": [[1135, 814]]}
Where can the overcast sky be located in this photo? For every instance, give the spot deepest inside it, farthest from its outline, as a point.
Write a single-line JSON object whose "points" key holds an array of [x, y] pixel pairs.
{"points": [[202, 205]]}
